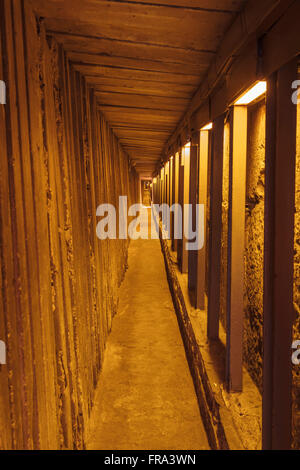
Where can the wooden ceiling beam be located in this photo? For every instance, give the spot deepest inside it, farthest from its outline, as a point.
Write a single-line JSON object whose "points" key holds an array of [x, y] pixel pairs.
{"points": [[116, 48], [140, 64], [143, 145], [121, 20], [141, 126], [132, 74], [107, 84], [227, 6], [141, 101]]}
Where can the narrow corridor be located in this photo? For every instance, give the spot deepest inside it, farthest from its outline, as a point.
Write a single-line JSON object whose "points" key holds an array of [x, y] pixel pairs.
{"points": [[108, 342], [145, 397]]}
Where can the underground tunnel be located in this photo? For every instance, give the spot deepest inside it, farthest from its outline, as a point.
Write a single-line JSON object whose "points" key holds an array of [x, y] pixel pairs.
{"points": [[149, 226]]}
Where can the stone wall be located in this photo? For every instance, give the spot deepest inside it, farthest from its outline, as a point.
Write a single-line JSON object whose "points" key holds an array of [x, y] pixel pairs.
{"points": [[224, 236], [59, 283], [254, 242]]}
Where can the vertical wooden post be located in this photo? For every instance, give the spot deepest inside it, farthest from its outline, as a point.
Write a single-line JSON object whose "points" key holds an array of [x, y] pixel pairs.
{"points": [[166, 184], [202, 199], [236, 235], [161, 186], [166, 187], [171, 181], [193, 182], [215, 229], [162, 196], [181, 202], [186, 198], [279, 259]]}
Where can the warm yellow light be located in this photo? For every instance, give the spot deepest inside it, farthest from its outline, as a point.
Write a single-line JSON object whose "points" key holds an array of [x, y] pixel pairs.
{"points": [[208, 127], [154, 180], [255, 92], [171, 158], [185, 154], [187, 145]]}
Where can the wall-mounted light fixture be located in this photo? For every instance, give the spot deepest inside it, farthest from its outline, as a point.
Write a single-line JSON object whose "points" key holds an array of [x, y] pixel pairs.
{"points": [[208, 127], [252, 94]]}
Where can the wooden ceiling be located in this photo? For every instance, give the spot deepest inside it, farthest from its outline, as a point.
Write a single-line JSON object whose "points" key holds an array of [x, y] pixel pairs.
{"points": [[144, 58]]}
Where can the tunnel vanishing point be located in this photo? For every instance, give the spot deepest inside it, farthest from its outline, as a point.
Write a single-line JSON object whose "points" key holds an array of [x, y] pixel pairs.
{"points": [[139, 343]]}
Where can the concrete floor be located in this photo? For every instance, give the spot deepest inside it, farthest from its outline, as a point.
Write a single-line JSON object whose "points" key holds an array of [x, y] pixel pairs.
{"points": [[145, 398]]}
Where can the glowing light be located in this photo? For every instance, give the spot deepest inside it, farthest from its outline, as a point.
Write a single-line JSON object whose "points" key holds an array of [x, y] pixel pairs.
{"points": [[255, 92], [208, 127], [154, 180], [187, 145]]}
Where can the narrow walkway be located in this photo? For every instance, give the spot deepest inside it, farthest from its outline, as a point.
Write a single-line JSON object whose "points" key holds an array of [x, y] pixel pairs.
{"points": [[145, 398]]}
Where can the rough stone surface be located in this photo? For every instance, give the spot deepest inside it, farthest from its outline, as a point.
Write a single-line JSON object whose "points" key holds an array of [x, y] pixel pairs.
{"points": [[296, 335], [254, 242]]}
